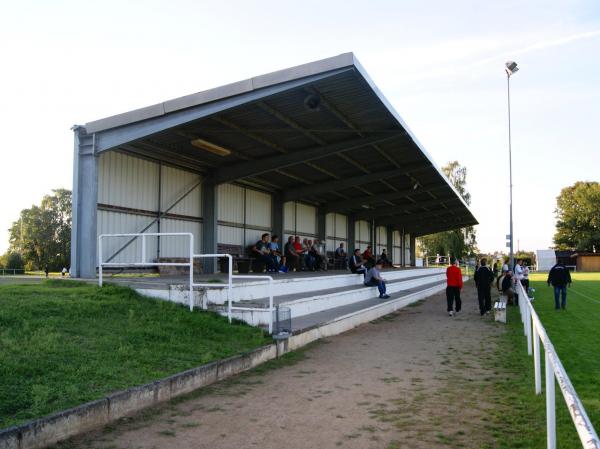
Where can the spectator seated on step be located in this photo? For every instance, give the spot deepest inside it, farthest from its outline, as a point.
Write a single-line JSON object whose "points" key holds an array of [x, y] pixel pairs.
{"points": [[385, 260], [368, 258], [291, 255], [356, 263], [374, 279], [340, 257], [262, 252]]}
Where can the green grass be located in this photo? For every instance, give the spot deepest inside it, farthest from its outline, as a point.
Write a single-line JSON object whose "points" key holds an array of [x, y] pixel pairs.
{"points": [[519, 416], [65, 343]]}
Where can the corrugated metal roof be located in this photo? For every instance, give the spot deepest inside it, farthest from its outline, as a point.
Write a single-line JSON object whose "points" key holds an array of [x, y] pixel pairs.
{"points": [[318, 161]]}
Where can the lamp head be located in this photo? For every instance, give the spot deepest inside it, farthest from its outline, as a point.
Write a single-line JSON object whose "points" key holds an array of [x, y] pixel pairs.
{"points": [[510, 67]]}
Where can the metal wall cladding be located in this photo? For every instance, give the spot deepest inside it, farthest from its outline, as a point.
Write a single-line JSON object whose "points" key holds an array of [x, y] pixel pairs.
{"points": [[253, 236], [407, 249], [336, 225], [127, 181], [178, 246], [289, 216], [230, 206], [396, 255], [230, 235], [123, 223], [396, 238], [258, 208], [306, 219], [362, 231], [176, 183]]}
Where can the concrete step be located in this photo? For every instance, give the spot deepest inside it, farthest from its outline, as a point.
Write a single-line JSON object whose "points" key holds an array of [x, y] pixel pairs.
{"points": [[287, 283], [327, 299]]}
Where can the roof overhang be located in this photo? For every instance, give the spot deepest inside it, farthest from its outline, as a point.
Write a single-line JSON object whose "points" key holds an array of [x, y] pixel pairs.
{"points": [[320, 133]]}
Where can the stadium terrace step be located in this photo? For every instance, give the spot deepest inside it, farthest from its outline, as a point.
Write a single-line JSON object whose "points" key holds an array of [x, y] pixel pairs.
{"points": [[316, 301]]}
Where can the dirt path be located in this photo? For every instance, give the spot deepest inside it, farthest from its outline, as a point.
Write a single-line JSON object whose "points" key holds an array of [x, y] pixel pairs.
{"points": [[414, 379]]}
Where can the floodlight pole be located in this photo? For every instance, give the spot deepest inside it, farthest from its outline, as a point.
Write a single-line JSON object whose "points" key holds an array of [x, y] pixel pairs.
{"points": [[511, 254]]}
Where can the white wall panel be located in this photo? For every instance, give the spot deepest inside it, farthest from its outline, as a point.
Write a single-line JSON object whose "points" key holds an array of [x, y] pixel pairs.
{"points": [[230, 235], [172, 246], [123, 223], [127, 181], [396, 238], [397, 247], [175, 183], [307, 219], [381, 239], [406, 249], [231, 203], [258, 208], [253, 236], [289, 216]]}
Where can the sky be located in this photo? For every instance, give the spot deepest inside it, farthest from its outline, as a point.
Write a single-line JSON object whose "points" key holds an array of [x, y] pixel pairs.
{"points": [[439, 63]]}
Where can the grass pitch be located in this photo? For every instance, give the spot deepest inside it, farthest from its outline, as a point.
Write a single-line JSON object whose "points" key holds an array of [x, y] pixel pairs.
{"points": [[65, 343], [520, 415]]}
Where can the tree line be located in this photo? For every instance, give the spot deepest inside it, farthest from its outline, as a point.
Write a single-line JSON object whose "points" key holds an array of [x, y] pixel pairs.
{"points": [[41, 237]]}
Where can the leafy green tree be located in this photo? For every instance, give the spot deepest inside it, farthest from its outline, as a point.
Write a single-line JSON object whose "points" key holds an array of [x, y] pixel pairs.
{"points": [[12, 260], [457, 242], [42, 234], [578, 217]]}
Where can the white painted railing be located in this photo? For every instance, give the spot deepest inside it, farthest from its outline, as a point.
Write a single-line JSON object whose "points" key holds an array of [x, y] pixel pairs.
{"points": [[534, 332], [271, 309], [188, 263]]}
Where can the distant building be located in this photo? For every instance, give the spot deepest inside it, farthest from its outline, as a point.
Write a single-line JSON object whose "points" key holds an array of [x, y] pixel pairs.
{"points": [[586, 261], [546, 258]]}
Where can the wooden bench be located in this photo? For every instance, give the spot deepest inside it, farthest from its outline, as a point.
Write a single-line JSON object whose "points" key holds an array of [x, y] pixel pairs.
{"points": [[241, 262], [336, 263], [500, 311]]}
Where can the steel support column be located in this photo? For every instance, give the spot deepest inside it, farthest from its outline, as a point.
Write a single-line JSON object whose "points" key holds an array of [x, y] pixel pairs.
{"points": [[351, 234], [277, 217], [209, 225], [321, 225], [85, 198], [413, 250], [390, 242]]}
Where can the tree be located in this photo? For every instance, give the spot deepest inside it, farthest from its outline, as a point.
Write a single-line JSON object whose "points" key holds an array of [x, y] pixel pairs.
{"points": [[12, 260], [42, 234], [578, 217], [457, 242]]}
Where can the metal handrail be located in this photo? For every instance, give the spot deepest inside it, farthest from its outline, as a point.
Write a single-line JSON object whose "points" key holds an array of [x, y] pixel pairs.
{"points": [[534, 332], [190, 264], [271, 308]]}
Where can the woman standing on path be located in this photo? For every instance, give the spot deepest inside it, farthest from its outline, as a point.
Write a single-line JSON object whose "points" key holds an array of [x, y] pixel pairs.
{"points": [[454, 285]]}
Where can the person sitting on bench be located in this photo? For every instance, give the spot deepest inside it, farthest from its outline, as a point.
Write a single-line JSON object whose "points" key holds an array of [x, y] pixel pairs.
{"points": [[368, 257], [373, 278], [291, 256], [262, 252], [384, 259], [356, 263], [341, 256], [276, 254]]}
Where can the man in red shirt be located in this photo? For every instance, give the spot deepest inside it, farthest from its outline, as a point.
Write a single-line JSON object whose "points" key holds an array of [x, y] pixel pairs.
{"points": [[454, 285]]}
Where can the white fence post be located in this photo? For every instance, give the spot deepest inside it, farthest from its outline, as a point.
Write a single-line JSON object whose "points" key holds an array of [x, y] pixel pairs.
{"points": [[550, 404], [536, 361], [100, 261], [528, 333], [191, 272]]}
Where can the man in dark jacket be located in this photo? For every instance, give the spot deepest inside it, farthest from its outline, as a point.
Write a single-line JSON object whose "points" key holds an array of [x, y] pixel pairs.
{"points": [[483, 279], [356, 263], [507, 287], [559, 276]]}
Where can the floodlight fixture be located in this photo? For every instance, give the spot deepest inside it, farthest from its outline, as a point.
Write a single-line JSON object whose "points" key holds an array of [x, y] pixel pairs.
{"points": [[511, 67]]}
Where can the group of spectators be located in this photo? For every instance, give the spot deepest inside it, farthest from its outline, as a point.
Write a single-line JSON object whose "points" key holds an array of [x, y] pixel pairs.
{"points": [[310, 255]]}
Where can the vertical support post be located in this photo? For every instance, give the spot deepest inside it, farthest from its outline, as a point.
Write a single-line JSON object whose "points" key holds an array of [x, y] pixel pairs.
{"points": [[528, 324], [277, 216], [143, 248], [84, 224], [159, 210], [351, 234], [413, 250], [536, 361], [270, 304], [191, 275], [390, 243], [550, 405], [230, 285], [321, 226], [209, 224], [402, 248]]}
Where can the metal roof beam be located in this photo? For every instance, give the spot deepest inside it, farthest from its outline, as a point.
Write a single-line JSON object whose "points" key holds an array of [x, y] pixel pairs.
{"points": [[257, 167], [356, 181], [355, 203], [415, 218], [392, 210]]}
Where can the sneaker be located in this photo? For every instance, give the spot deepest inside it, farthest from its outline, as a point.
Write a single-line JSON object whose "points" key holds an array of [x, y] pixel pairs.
{"points": [[384, 296], [451, 313], [487, 313]]}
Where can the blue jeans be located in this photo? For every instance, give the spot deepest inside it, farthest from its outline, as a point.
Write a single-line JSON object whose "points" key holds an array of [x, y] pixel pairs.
{"points": [[380, 285], [560, 290]]}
